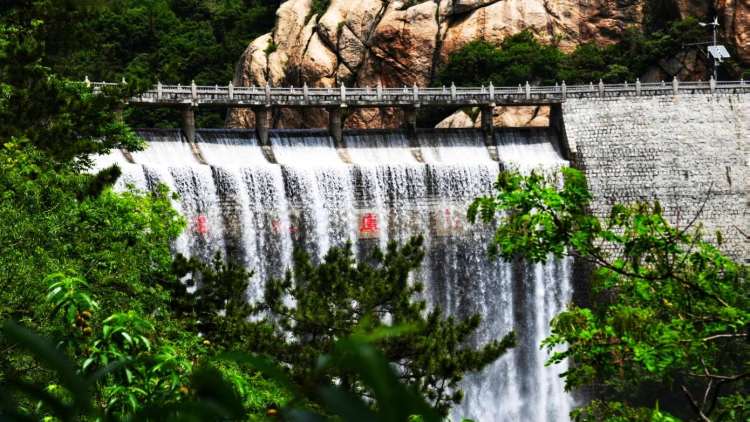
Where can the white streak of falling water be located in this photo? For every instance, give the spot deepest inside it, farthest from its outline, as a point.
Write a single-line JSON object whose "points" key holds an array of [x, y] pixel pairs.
{"points": [[173, 163], [387, 165], [321, 187], [317, 195], [252, 192], [528, 149], [132, 174]]}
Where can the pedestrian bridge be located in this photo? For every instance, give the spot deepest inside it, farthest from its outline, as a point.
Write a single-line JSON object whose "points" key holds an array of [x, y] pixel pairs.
{"points": [[296, 97], [409, 99]]}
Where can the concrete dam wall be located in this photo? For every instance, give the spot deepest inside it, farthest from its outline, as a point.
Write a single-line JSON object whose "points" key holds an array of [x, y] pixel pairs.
{"points": [[691, 152]]}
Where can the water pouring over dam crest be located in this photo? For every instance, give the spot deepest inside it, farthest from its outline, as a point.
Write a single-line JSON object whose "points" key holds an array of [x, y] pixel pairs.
{"points": [[255, 203]]}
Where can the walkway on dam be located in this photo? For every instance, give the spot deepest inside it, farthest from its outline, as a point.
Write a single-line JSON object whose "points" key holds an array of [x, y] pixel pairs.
{"points": [[300, 97]]}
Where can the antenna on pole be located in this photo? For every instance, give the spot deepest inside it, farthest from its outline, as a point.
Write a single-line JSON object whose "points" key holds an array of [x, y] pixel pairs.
{"points": [[716, 51]]}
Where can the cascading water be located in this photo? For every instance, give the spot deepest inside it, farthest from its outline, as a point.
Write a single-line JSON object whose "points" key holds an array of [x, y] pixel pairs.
{"points": [[253, 204]]}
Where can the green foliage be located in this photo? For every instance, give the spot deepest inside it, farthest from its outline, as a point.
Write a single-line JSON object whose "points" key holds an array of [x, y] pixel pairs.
{"points": [[174, 41], [319, 7], [42, 109], [522, 230], [213, 396], [68, 297], [272, 46], [71, 247], [334, 298], [218, 304], [148, 373], [613, 411], [519, 58], [671, 310], [632, 56]]}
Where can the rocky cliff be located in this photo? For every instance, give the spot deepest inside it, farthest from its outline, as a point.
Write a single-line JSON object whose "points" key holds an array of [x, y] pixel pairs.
{"points": [[403, 42]]}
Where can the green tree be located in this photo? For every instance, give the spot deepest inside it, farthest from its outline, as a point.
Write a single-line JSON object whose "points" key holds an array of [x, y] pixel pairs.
{"points": [[63, 119], [334, 298], [109, 254], [518, 59], [213, 396], [218, 304], [671, 312]]}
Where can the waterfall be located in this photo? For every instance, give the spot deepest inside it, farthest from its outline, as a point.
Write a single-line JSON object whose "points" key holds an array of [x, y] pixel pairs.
{"points": [[253, 203]]}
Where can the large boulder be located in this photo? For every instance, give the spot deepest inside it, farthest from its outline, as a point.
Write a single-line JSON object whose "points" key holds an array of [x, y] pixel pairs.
{"points": [[403, 42]]}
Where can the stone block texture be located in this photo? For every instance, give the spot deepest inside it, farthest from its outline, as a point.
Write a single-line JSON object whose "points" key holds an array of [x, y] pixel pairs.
{"points": [[690, 152]]}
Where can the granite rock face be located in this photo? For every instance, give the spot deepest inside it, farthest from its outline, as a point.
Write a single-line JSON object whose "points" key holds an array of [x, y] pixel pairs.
{"points": [[524, 116], [403, 42]]}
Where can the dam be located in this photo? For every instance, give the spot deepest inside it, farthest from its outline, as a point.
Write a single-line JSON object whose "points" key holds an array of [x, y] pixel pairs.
{"points": [[254, 194]]}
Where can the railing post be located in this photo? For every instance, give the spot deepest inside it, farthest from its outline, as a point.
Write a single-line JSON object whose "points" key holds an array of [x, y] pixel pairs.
{"points": [[528, 90], [159, 90], [492, 92], [268, 94], [231, 90], [601, 88], [638, 87], [87, 81], [305, 93], [416, 94], [564, 90], [445, 90], [379, 90], [193, 91], [453, 91], [712, 84], [343, 94], [675, 85], [123, 81]]}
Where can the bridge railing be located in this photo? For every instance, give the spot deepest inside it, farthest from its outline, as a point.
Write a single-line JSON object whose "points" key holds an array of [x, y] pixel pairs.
{"points": [[228, 95]]}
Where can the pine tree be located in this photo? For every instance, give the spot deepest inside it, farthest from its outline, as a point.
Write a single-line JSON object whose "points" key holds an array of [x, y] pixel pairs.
{"points": [[340, 296]]}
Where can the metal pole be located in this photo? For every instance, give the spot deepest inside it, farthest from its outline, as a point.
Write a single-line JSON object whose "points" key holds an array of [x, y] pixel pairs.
{"points": [[716, 64]]}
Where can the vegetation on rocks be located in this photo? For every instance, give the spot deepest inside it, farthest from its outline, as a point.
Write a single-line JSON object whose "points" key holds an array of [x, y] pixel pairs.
{"points": [[521, 58]]}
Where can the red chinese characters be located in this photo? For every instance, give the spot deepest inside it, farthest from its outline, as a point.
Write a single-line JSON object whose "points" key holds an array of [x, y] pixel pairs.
{"points": [[200, 224], [368, 225]]}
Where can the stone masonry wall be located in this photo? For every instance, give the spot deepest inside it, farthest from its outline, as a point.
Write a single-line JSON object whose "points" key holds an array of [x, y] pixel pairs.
{"points": [[674, 149]]}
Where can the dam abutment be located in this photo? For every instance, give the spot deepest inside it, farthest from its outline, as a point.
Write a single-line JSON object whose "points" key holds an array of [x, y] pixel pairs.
{"points": [[690, 152]]}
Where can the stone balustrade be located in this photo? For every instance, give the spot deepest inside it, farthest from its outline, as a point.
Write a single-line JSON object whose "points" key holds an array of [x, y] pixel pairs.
{"points": [[409, 99]]}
